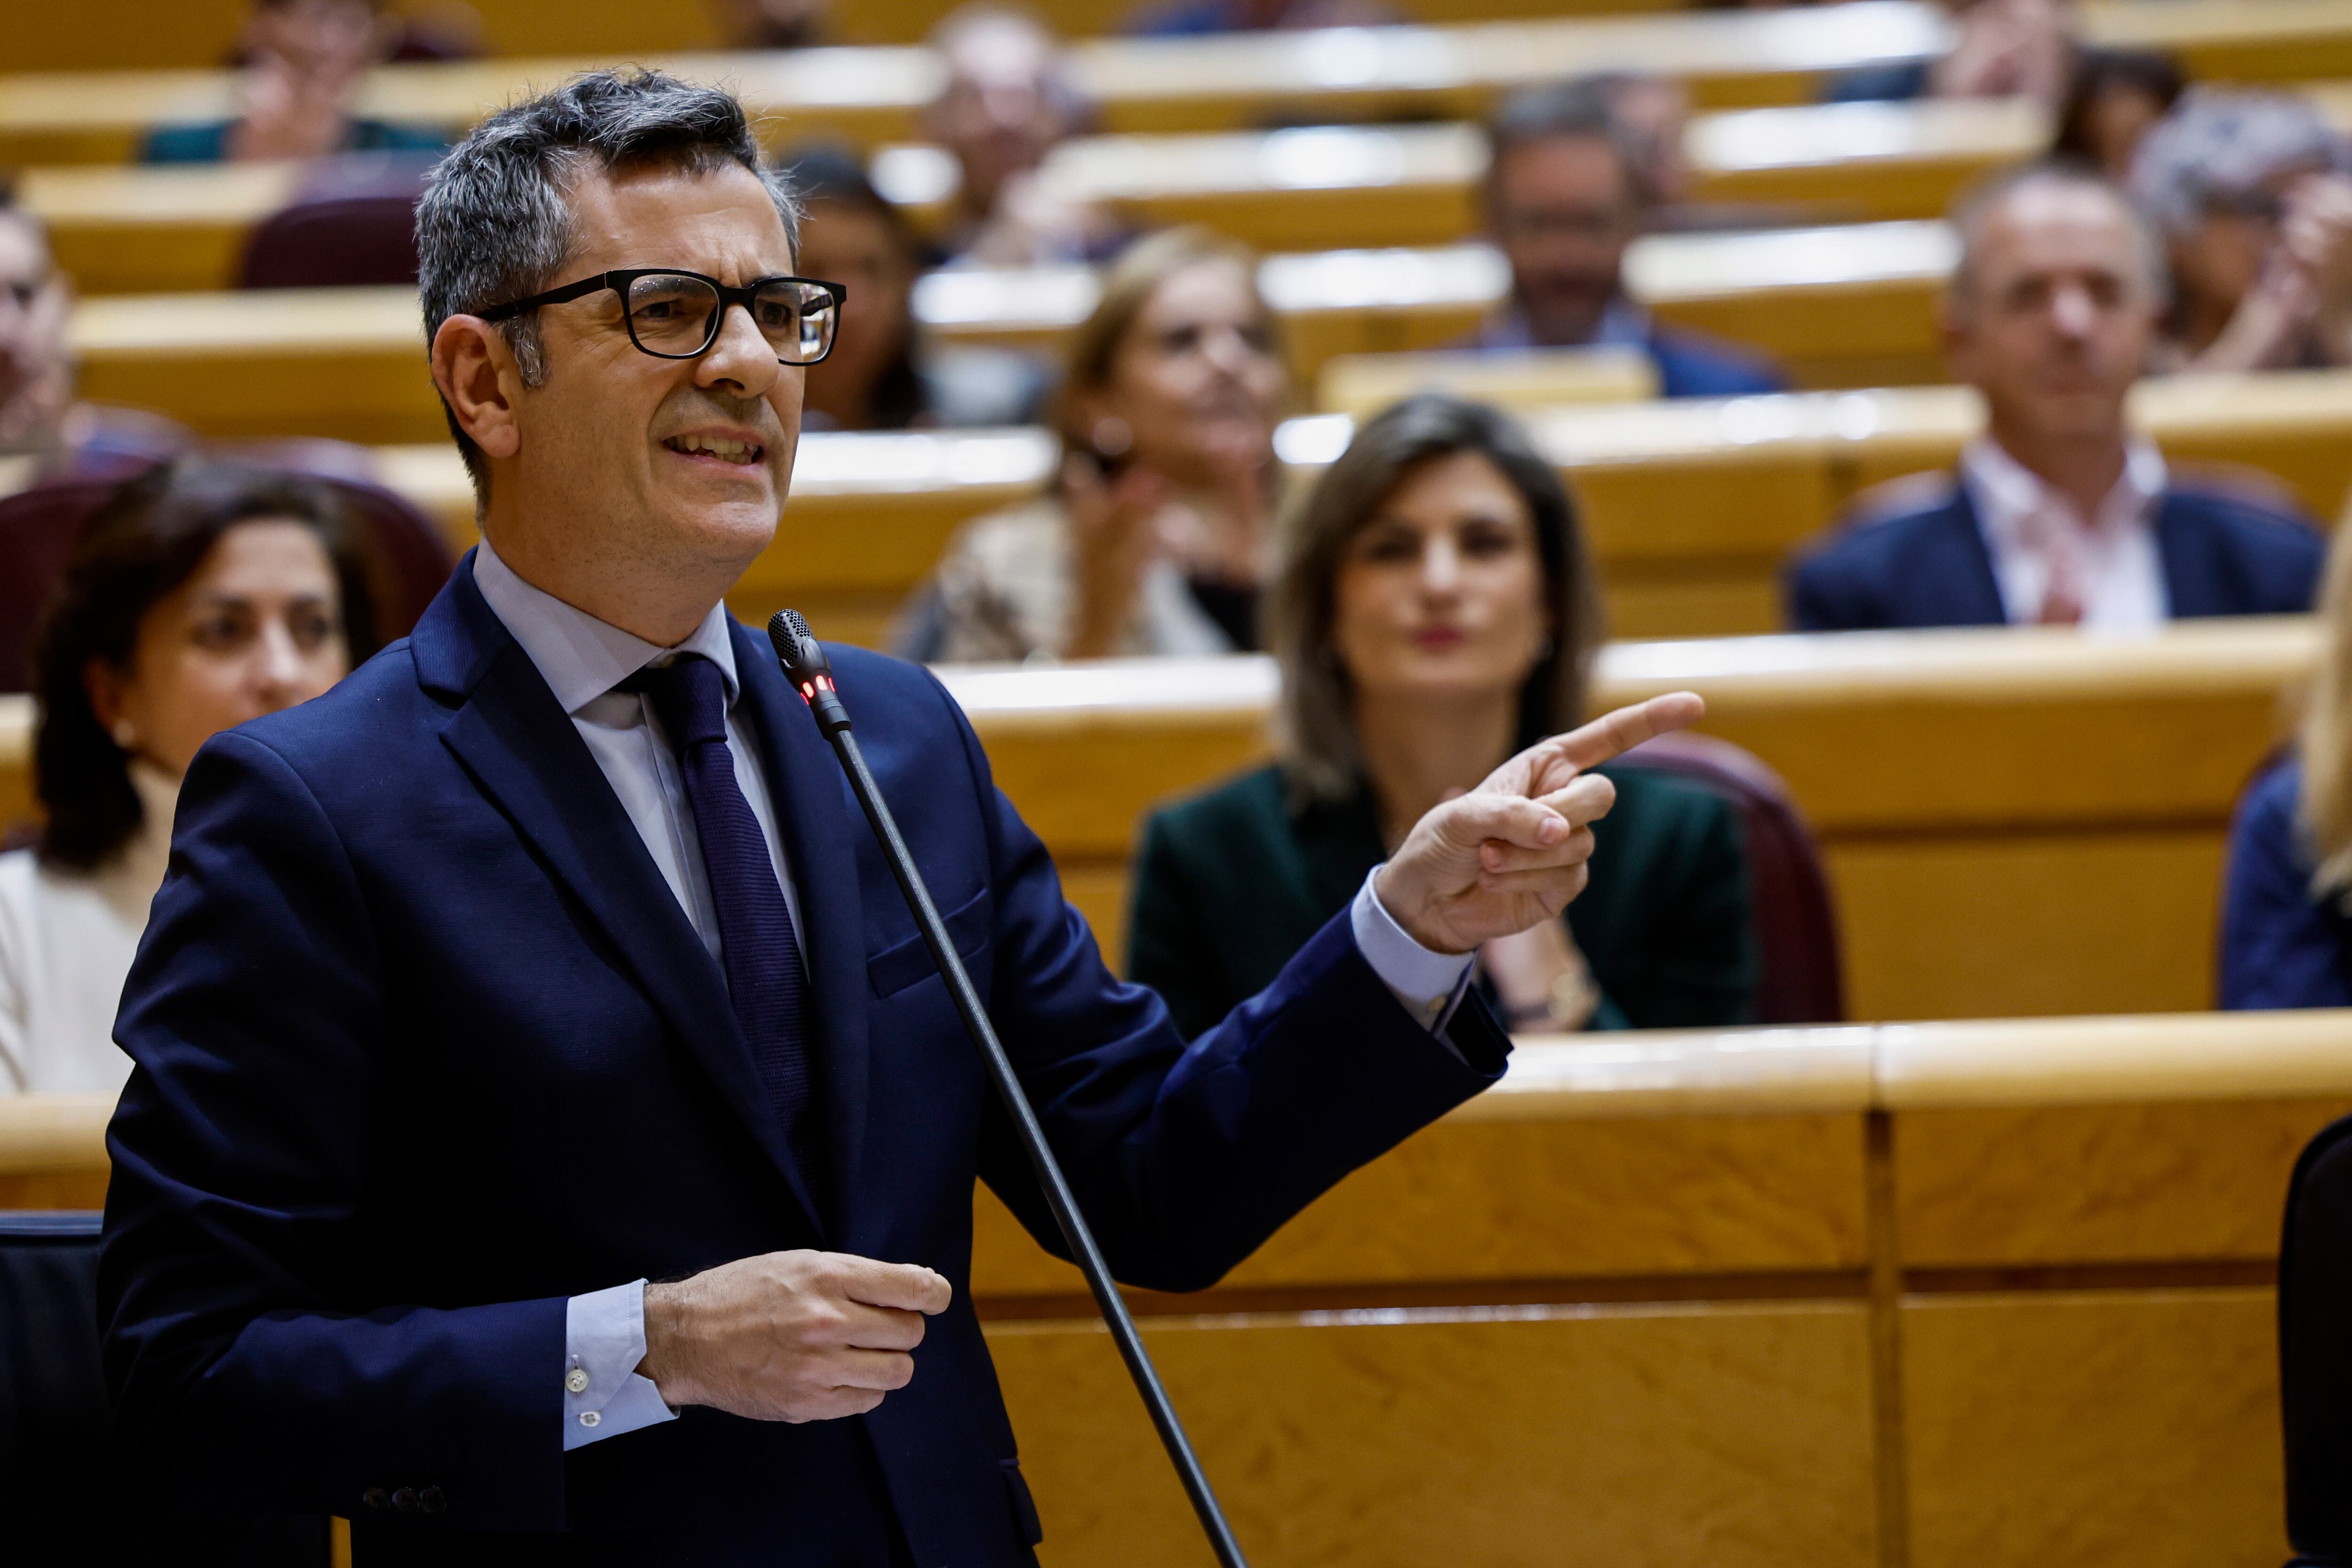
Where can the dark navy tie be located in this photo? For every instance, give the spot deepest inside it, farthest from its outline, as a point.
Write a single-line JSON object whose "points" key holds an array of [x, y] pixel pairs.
{"points": [[755, 925]]}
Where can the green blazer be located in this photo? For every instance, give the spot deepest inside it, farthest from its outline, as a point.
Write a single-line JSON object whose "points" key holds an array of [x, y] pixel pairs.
{"points": [[1231, 882]]}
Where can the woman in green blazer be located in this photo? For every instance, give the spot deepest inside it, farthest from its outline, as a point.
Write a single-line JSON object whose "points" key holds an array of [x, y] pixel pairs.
{"points": [[1432, 612]]}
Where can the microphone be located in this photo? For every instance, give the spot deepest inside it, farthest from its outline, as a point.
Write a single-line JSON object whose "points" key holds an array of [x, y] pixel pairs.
{"points": [[810, 673]]}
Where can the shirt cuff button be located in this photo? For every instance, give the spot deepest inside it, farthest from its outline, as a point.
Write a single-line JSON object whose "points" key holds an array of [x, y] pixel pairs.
{"points": [[589, 1418], [576, 1380]]}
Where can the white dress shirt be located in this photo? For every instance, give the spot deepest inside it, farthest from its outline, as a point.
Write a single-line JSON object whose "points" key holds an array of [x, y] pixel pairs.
{"points": [[582, 659], [2035, 536]]}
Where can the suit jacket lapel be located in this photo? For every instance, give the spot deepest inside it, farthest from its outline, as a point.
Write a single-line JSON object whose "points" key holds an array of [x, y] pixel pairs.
{"points": [[526, 756], [1956, 574], [822, 827], [2193, 577]]}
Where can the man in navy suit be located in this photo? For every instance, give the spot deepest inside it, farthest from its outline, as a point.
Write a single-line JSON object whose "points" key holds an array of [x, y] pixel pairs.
{"points": [[1564, 199], [549, 956], [2059, 514]]}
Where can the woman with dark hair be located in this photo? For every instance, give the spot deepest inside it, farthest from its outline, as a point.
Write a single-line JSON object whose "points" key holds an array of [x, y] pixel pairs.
{"points": [[2116, 97], [199, 596], [879, 375], [1432, 613]]}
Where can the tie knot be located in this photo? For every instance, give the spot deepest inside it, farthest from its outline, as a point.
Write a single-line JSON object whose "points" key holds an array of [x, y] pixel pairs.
{"points": [[690, 695]]}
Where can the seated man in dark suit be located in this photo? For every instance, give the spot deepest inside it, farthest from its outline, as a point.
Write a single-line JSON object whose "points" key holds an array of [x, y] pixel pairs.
{"points": [[2059, 514], [1564, 198], [549, 1140]]}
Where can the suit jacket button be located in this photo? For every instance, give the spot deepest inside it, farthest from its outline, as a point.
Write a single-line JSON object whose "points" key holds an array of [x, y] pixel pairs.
{"points": [[376, 1498], [431, 1500], [404, 1500]]}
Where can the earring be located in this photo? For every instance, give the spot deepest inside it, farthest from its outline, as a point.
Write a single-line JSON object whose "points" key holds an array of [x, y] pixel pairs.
{"points": [[124, 735], [1111, 436]]}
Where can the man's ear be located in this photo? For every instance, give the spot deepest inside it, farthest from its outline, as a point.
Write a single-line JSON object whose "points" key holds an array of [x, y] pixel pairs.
{"points": [[475, 369]]}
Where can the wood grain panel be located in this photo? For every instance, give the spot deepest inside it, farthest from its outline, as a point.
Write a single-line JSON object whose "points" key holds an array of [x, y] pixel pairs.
{"points": [[1514, 1200], [2095, 1430], [2099, 1183], [1734, 1435], [2022, 925]]}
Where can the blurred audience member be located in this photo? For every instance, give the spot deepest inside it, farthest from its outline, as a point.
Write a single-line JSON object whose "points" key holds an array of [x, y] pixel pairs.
{"points": [[200, 597], [770, 23], [2001, 48], [1194, 18], [1152, 540], [302, 61], [1005, 105], [47, 433], [877, 376], [2060, 514], [2286, 924], [2250, 192], [2115, 99], [1564, 198], [1432, 612]]}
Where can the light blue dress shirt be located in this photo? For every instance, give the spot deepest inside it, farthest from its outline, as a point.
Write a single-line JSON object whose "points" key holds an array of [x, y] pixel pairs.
{"points": [[582, 659]]}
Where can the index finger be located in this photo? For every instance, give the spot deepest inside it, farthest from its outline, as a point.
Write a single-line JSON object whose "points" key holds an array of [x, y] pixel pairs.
{"points": [[1614, 733], [908, 1287]]}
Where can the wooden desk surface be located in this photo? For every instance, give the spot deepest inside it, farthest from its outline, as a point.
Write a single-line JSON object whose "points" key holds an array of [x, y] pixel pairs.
{"points": [[129, 230], [2015, 822], [350, 363]]}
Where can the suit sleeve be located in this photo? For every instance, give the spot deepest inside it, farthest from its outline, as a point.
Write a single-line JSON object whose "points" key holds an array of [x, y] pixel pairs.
{"points": [[2280, 948], [1185, 1158], [243, 1374], [1821, 599]]}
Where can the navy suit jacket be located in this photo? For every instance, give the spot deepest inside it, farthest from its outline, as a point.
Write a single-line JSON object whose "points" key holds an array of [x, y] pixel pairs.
{"points": [[2223, 554], [1690, 365], [425, 1045]]}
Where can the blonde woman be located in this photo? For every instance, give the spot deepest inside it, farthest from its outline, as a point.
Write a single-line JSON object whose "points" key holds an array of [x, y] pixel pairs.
{"points": [[2286, 927], [1153, 538]]}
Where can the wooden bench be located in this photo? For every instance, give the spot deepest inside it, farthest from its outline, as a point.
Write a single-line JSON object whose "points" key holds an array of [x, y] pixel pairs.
{"points": [[1691, 509], [1938, 1293], [350, 363], [133, 230], [1730, 59], [2014, 821]]}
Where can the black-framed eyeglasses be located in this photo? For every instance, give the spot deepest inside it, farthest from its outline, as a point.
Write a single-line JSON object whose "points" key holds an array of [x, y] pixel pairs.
{"points": [[676, 315]]}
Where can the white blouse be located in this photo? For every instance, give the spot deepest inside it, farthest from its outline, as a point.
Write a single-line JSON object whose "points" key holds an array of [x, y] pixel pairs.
{"points": [[67, 939]]}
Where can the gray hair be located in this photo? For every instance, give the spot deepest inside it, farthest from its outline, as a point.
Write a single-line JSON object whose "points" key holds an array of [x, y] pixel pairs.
{"points": [[1315, 720], [2215, 146], [1977, 201], [495, 224]]}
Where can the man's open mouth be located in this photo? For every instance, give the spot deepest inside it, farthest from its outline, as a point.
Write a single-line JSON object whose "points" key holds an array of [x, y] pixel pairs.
{"points": [[743, 453]]}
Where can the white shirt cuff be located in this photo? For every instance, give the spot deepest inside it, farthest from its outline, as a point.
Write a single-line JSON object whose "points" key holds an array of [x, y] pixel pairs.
{"points": [[603, 1341], [1430, 984]]}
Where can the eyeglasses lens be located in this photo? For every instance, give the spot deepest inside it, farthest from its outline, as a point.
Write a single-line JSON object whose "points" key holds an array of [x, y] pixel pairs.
{"points": [[798, 318], [671, 314]]}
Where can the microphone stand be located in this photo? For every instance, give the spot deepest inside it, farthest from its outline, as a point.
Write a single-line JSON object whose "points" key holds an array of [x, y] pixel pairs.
{"points": [[807, 667]]}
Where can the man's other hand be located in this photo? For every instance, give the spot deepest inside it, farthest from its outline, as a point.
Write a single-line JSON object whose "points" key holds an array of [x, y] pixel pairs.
{"points": [[789, 1336], [1511, 852]]}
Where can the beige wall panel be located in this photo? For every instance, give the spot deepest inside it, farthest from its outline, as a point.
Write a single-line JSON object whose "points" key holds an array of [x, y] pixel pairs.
{"points": [[2101, 1183], [1494, 1200], [2017, 927], [1738, 1436], [2097, 1430]]}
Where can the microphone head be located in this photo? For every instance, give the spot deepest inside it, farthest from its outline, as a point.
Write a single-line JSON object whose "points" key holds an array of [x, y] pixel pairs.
{"points": [[797, 649]]}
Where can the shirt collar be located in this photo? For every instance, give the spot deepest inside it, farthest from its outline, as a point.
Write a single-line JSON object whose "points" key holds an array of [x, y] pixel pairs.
{"points": [[580, 656], [2008, 493], [1622, 324]]}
